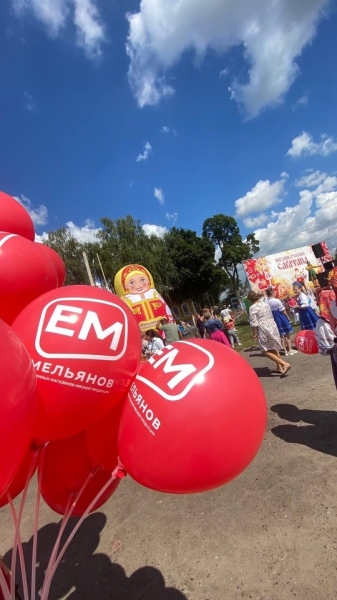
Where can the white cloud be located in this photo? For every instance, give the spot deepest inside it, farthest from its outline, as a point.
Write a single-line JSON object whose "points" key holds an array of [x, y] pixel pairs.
{"points": [[29, 102], [311, 180], [303, 145], [157, 230], [251, 222], [55, 15], [217, 254], [147, 149], [223, 74], [272, 36], [159, 194], [262, 196], [167, 130], [87, 233], [310, 221], [89, 27], [172, 217], [300, 102], [41, 238], [39, 214]]}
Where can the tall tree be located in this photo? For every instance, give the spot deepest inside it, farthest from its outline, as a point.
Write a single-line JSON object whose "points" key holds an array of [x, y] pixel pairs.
{"points": [[199, 277], [71, 251], [224, 233]]}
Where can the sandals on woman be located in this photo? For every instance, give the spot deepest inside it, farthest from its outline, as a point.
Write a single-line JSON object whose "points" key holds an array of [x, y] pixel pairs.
{"points": [[285, 371]]}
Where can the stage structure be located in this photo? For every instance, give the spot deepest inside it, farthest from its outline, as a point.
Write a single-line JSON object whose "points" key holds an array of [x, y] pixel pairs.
{"points": [[308, 264]]}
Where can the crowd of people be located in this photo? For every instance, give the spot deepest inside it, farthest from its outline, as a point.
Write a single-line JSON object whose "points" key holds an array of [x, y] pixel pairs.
{"points": [[270, 319], [212, 323]]}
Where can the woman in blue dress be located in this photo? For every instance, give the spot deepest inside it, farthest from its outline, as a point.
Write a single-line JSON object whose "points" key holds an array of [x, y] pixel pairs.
{"points": [[308, 317], [282, 321]]}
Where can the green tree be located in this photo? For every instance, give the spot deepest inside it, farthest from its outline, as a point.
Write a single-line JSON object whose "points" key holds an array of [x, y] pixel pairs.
{"points": [[198, 276], [224, 233], [71, 251]]}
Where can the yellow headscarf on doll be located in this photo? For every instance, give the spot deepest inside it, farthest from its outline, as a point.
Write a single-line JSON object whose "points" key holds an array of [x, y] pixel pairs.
{"points": [[125, 274]]}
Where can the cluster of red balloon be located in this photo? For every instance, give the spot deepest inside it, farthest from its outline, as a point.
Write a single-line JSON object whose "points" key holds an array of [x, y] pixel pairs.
{"points": [[190, 420]]}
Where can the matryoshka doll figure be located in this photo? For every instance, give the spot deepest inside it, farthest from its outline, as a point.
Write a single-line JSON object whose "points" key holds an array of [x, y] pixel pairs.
{"points": [[135, 285]]}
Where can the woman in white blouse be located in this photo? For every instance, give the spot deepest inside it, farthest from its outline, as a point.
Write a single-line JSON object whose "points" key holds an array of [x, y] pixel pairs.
{"points": [[308, 317]]}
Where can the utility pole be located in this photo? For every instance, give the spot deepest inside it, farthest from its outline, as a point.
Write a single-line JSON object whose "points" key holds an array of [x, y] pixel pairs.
{"points": [[88, 269], [100, 264]]}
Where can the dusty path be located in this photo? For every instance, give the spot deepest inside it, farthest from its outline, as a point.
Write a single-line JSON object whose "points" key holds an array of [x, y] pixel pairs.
{"points": [[269, 535]]}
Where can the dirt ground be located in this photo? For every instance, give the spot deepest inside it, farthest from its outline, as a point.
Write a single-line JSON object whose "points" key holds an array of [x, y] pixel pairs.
{"points": [[269, 535]]}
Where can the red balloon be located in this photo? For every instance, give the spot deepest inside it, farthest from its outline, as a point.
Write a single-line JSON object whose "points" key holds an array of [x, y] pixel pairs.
{"points": [[20, 478], [85, 346], [26, 272], [14, 218], [65, 467], [101, 440], [57, 262], [306, 342], [195, 418], [18, 404]]}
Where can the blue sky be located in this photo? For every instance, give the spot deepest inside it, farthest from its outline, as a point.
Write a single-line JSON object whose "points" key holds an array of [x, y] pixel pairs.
{"points": [[228, 109]]}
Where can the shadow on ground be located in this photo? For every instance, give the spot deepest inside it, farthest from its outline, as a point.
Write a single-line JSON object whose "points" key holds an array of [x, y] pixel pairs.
{"points": [[86, 575], [320, 433], [265, 372]]}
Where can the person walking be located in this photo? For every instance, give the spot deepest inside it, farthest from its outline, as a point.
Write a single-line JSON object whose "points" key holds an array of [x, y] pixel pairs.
{"points": [[213, 328], [282, 321], [265, 331], [171, 330]]}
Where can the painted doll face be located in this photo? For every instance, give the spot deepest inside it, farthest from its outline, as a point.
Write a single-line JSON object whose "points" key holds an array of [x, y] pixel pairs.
{"points": [[138, 284]]}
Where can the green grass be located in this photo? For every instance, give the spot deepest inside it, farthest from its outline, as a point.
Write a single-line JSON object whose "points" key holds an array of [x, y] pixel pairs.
{"points": [[246, 338]]}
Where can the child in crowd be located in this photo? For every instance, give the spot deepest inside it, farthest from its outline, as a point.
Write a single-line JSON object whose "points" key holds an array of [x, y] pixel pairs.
{"points": [[292, 308], [229, 325]]}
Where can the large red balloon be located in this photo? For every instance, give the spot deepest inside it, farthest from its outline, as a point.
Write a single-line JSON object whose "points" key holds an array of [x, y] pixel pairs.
{"points": [[20, 478], [57, 262], [102, 440], [195, 418], [14, 218], [65, 467], [306, 342], [17, 404], [85, 345], [26, 272]]}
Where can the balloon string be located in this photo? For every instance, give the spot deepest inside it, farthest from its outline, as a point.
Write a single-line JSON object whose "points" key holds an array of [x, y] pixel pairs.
{"points": [[114, 475], [65, 519], [21, 556], [4, 586], [18, 523], [36, 527], [71, 504]]}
